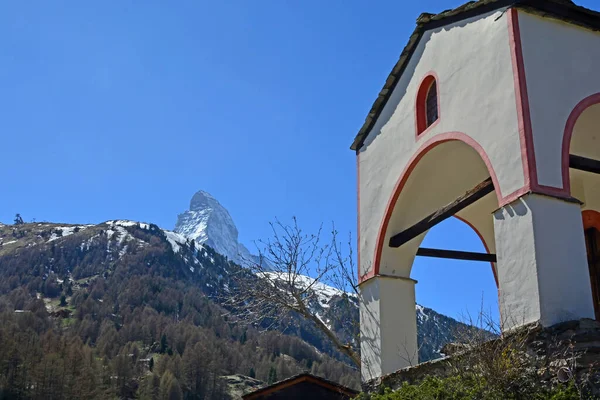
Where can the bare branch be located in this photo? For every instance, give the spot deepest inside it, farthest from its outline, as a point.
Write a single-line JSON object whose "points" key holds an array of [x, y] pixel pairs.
{"points": [[293, 273]]}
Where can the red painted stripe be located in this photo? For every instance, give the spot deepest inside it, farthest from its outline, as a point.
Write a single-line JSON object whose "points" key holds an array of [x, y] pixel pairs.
{"points": [[358, 266], [522, 98]]}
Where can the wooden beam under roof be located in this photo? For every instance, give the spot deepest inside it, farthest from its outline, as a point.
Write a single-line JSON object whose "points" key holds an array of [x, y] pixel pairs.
{"points": [[456, 255], [478, 192], [584, 164], [484, 188]]}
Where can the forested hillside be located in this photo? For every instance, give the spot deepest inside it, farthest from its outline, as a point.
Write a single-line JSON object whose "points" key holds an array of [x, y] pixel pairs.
{"points": [[119, 310], [128, 310]]}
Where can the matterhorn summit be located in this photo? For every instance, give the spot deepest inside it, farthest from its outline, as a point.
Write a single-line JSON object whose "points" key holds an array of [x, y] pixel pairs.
{"points": [[208, 222]]}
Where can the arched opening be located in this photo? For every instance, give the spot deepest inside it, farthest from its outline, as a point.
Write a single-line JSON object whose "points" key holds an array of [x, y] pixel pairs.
{"points": [[427, 108], [457, 288], [460, 289], [582, 139], [582, 142], [444, 170]]}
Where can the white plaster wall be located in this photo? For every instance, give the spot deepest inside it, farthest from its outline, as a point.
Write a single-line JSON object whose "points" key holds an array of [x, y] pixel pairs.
{"points": [[518, 294], [542, 264], [562, 63], [563, 272], [472, 60], [388, 326]]}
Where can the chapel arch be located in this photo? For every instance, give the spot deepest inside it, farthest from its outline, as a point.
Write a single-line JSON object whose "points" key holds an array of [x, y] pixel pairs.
{"points": [[445, 168], [582, 141], [442, 172], [581, 144]]}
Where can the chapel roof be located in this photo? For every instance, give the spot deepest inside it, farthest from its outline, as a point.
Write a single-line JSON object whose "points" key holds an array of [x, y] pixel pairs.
{"points": [[564, 10]]}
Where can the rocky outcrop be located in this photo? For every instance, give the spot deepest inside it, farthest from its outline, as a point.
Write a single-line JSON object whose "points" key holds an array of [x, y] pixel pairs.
{"points": [[208, 222], [238, 385]]}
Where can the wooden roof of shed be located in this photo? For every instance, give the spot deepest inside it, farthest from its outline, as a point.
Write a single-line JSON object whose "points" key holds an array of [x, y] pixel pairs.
{"points": [[304, 377], [564, 10]]}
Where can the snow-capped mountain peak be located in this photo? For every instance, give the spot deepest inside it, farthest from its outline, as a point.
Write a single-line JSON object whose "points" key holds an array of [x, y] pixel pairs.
{"points": [[208, 222]]}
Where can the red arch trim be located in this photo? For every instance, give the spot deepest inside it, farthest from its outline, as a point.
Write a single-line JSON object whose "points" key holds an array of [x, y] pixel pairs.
{"points": [[522, 98], [487, 249], [410, 166], [569, 127]]}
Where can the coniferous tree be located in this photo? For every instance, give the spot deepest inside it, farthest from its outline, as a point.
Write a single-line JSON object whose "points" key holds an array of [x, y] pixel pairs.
{"points": [[19, 219], [163, 343], [150, 388], [169, 387], [174, 390], [272, 375]]}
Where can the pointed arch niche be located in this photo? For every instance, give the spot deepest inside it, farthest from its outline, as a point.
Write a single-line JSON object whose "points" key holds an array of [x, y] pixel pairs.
{"points": [[427, 105]]}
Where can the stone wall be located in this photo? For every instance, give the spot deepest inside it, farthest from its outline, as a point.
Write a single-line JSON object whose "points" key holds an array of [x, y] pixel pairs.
{"points": [[568, 351]]}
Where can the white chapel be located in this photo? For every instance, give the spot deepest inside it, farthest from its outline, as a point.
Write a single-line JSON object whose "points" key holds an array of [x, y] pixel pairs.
{"points": [[491, 115]]}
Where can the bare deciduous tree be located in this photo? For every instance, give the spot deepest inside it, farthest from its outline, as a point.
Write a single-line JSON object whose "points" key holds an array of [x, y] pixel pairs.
{"points": [[293, 271]]}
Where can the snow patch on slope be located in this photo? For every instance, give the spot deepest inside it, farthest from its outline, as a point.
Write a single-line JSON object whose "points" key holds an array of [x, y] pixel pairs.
{"points": [[127, 223], [175, 240], [421, 314], [324, 293], [65, 231]]}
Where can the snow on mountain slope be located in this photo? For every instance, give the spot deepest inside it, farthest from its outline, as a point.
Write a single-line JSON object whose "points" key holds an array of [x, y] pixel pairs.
{"points": [[175, 240], [88, 251], [323, 293], [207, 221]]}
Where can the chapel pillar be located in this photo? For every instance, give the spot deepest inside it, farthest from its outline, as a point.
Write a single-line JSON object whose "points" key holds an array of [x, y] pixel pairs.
{"points": [[388, 325], [542, 267]]}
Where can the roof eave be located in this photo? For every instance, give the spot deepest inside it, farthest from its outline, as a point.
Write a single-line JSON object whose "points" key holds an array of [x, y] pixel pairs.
{"points": [[571, 13]]}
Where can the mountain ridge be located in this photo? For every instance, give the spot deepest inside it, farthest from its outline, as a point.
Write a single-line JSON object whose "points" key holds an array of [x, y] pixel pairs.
{"points": [[127, 292], [118, 243], [207, 221]]}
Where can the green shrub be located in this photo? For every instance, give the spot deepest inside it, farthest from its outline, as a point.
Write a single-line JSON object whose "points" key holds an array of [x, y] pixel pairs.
{"points": [[467, 388]]}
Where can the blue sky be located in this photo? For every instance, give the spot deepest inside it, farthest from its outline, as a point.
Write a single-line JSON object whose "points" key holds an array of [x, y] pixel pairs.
{"points": [[123, 109]]}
